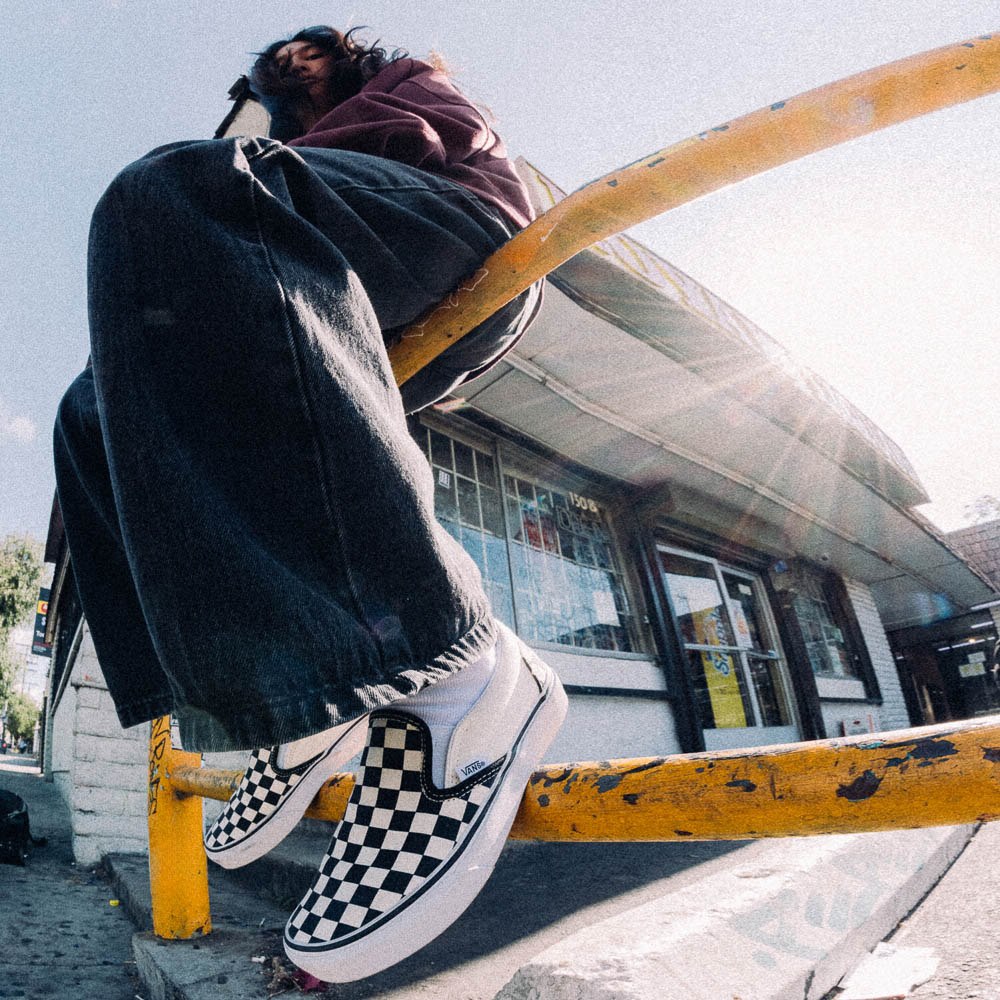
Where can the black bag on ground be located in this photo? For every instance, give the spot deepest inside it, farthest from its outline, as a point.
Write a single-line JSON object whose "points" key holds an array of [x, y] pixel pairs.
{"points": [[15, 829]]}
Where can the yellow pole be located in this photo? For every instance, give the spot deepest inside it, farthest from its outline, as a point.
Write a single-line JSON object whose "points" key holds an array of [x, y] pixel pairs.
{"points": [[731, 152], [930, 776], [178, 868]]}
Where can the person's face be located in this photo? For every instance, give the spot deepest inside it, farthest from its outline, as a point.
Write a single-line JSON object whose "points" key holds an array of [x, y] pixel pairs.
{"points": [[307, 63]]}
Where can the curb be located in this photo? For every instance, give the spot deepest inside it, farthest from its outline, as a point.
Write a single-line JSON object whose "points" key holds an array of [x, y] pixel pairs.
{"points": [[787, 927], [219, 966], [781, 920]]}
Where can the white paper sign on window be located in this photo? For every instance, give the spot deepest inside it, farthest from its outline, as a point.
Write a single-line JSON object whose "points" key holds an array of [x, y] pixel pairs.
{"points": [[744, 638], [972, 669], [604, 608]]}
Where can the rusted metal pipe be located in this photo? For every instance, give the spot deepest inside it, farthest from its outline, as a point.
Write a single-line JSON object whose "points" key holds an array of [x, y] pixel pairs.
{"points": [[931, 776]]}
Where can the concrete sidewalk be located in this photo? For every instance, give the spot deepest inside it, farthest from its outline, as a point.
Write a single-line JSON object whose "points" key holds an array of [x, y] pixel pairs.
{"points": [[60, 937], [770, 920]]}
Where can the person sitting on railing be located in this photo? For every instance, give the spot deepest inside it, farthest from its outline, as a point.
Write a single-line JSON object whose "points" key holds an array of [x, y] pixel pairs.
{"points": [[251, 524]]}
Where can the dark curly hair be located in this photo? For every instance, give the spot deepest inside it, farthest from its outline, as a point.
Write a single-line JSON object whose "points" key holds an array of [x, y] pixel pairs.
{"points": [[356, 62]]}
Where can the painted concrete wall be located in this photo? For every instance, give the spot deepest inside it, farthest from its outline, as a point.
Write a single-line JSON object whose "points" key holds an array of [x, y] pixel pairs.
{"points": [[891, 714], [59, 743], [99, 768], [605, 726], [599, 727]]}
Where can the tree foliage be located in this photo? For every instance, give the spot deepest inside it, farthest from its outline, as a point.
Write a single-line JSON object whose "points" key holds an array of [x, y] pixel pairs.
{"points": [[22, 714], [20, 571], [8, 670]]}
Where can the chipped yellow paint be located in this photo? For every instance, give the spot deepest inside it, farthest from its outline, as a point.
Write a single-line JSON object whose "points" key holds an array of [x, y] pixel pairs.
{"points": [[734, 151], [217, 783], [931, 776], [178, 868]]}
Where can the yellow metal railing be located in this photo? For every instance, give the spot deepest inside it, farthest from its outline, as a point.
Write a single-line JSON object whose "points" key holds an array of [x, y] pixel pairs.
{"points": [[922, 777], [930, 776]]}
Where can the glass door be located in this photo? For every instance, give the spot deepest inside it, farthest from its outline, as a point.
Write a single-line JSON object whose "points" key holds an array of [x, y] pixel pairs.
{"points": [[737, 673]]}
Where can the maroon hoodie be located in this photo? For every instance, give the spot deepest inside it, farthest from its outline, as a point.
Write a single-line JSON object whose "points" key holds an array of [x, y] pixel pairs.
{"points": [[410, 112]]}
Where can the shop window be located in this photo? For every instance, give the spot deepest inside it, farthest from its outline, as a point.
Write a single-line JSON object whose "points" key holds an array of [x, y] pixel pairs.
{"points": [[567, 586], [825, 641], [468, 505], [737, 674], [824, 632], [547, 557]]}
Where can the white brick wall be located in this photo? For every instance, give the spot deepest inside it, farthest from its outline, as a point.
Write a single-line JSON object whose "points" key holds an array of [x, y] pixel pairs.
{"points": [[99, 768], [892, 713]]}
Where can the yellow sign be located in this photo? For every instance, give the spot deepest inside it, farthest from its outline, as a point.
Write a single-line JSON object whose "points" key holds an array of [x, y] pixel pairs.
{"points": [[720, 669]]}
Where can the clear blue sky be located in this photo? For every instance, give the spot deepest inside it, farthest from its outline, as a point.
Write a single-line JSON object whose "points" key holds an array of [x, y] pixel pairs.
{"points": [[875, 263]]}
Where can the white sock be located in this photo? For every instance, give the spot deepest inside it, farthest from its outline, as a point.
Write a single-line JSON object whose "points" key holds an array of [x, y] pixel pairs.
{"points": [[299, 751], [444, 704]]}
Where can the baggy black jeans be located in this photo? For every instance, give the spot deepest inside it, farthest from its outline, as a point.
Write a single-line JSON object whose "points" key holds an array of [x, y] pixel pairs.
{"points": [[250, 523]]}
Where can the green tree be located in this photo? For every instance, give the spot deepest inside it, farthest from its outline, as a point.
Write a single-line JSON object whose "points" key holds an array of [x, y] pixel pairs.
{"points": [[20, 571], [22, 714], [8, 669]]}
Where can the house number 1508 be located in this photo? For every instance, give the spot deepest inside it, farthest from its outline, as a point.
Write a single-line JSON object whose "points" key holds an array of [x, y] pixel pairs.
{"points": [[584, 503]]}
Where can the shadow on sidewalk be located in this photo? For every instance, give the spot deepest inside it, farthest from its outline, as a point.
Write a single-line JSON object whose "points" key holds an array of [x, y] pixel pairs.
{"points": [[60, 934], [539, 894]]}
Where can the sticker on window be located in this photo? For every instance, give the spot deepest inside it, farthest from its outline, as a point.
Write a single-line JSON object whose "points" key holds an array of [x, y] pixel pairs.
{"points": [[744, 638], [972, 669], [605, 611], [444, 479]]}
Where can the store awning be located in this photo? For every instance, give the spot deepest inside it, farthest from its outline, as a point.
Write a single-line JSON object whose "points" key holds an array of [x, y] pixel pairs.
{"points": [[637, 372]]}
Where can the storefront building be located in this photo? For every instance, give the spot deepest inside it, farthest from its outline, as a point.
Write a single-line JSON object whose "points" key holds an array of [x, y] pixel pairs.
{"points": [[706, 540], [950, 667], [708, 543]]}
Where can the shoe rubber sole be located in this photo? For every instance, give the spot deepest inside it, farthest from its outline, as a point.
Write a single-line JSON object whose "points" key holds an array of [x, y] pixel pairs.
{"points": [[283, 820], [435, 907]]}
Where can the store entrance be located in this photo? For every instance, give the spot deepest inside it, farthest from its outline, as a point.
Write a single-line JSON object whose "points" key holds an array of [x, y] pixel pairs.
{"points": [[734, 662], [949, 668]]}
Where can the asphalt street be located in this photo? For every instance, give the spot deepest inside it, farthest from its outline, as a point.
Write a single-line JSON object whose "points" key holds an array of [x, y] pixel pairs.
{"points": [[960, 921], [948, 947], [60, 936]]}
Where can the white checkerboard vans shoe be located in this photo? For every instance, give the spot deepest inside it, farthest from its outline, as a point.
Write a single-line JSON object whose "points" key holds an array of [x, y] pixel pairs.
{"points": [[409, 857], [270, 800]]}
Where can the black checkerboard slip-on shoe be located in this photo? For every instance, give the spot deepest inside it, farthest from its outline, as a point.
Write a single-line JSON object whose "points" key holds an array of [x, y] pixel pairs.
{"points": [[271, 799], [409, 857]]}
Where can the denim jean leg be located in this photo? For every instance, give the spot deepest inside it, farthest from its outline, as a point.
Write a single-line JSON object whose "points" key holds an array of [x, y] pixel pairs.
{"points": [[99, 565], [276, 516]]}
